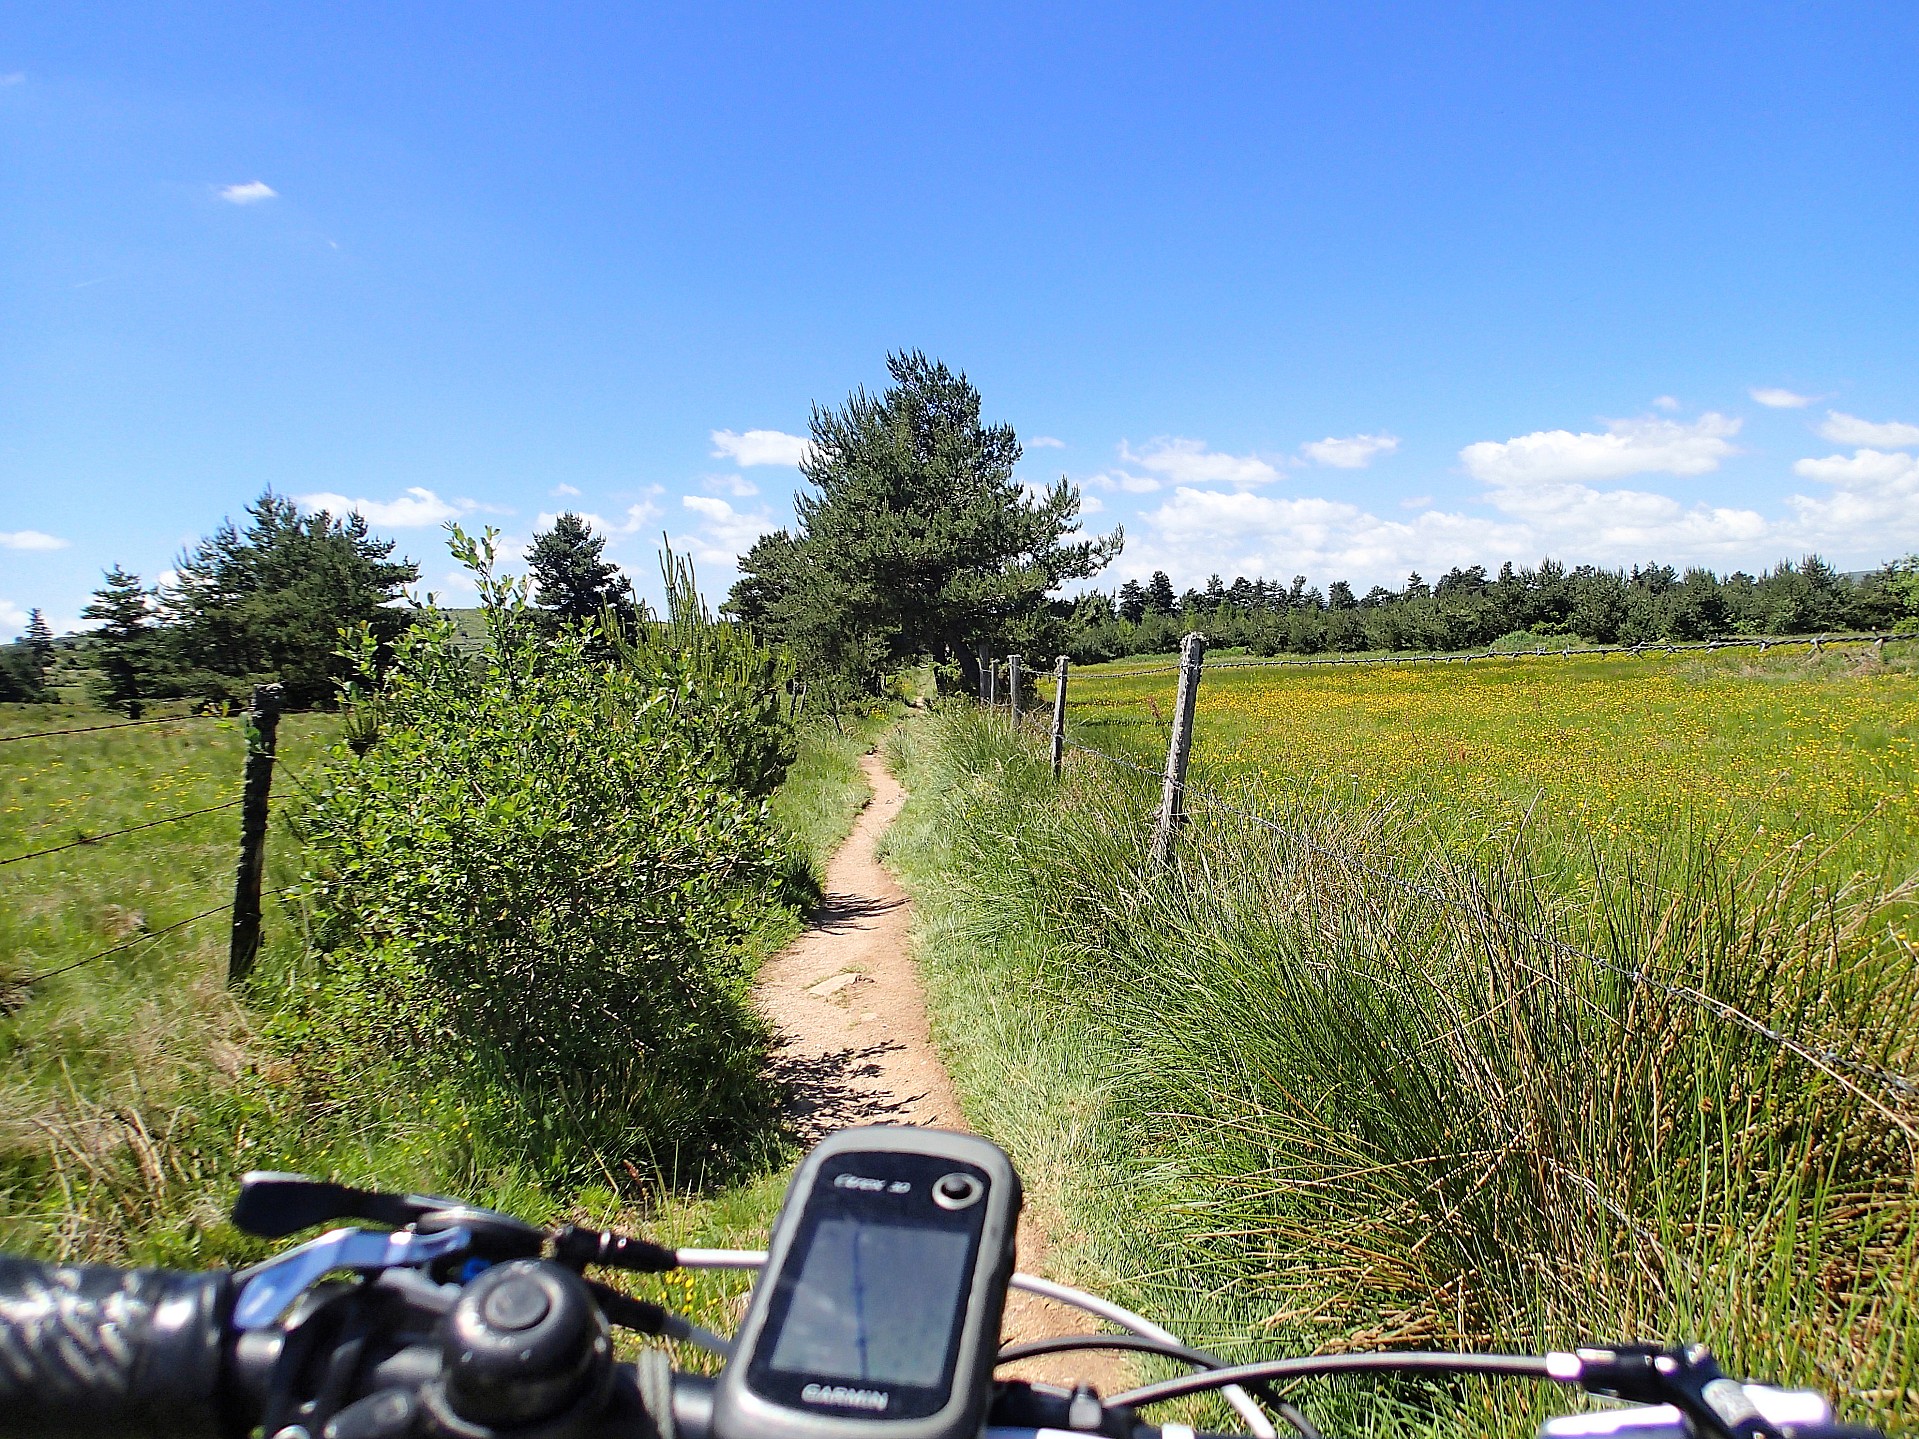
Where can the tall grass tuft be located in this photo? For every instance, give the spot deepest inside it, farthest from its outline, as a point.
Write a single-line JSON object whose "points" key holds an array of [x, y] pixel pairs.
{"points": [[1334, 1083]]}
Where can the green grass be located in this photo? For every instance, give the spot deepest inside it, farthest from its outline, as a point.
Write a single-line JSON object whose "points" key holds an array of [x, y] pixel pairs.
{"points": [[1599, 755], [1336, 1084], [137, 1087]]}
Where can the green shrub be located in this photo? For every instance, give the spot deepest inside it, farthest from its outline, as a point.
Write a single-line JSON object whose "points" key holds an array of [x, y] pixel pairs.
{"points": [[535, 878]]}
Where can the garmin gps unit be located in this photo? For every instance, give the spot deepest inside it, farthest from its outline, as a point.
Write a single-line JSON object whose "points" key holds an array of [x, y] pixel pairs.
{"points": [[878, 1311]]}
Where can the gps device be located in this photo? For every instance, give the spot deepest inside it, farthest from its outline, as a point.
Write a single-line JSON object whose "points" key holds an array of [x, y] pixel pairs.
{"points": [[878, 1312]]}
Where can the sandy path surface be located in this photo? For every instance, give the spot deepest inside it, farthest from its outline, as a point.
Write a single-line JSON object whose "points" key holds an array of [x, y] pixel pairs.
{"points": [[853, 1043]]}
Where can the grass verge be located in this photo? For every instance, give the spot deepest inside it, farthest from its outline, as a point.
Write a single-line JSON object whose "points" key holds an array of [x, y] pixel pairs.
{"points": [[1333, 1085]]}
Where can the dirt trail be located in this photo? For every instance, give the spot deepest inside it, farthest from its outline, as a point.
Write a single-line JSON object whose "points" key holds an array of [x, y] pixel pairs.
{"points": [[850, 1013]]}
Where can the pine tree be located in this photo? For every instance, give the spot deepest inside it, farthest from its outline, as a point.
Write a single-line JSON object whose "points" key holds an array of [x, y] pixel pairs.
{"points": [[1132, 602], [1159, 594], [913, 537], [123, 651], [40, 643], [571, 579], [270, 602]]}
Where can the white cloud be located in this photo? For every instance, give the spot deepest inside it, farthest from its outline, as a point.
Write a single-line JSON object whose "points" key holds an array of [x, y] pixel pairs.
{"points": [[417, 509], [1045, 442], [1416, 502], [759, 447], [563, 491], [251, 193], [13, 619], [1355, 452], [13, 77], [724, 533], [1189, 462], [1121, 480], [1844, 429], [737, 486], [1667, 403], [31, 540], [1628, 447], [1874, 497], [1777, 399], [637, 517], [1865, 507]]}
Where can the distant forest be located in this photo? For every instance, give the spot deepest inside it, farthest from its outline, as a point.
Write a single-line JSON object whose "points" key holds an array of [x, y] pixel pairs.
{"points": [[1468, 608]]}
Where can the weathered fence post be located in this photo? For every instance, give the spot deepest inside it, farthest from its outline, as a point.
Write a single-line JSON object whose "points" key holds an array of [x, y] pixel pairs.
{"points": [[1172, 792], [1059, 714], [263, 724], [983, 662], [1012, 687]]}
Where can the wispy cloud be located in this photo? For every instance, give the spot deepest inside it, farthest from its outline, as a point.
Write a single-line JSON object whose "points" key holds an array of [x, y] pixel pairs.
{"points": [[31, 540], [1355, 452], [13, 77], [1190, 462], [1844, 429], [737, 486], [1668, 403], [1044, 442], [13, 619], [563, 491], [1628, 447], [1777, 399], [251, 193], [416, 509], [759, 447]]}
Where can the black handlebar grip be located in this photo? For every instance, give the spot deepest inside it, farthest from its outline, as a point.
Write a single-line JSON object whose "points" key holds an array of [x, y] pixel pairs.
{"points": [[87, 1351]]}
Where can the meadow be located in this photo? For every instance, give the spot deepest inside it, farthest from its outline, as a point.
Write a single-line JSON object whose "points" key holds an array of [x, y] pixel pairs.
{"points": [[1761, 753], [1515, 1004]]}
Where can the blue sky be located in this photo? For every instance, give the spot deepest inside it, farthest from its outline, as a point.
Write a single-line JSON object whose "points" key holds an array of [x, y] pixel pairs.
{"points": [[1341, 289]]}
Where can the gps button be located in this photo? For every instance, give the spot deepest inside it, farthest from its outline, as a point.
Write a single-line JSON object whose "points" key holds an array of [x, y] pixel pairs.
{"points": [[957, 1191]]}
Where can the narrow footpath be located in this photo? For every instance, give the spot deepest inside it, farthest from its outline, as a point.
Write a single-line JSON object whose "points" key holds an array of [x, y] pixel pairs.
{"points": [[853, 1044]]}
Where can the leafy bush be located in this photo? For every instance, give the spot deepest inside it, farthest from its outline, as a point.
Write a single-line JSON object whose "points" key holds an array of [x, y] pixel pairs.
{"points": [[535, 876]]}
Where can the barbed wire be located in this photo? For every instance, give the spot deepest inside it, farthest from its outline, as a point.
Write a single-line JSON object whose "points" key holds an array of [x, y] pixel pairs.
{"points": [[96, 728], [115, 834], [1818, 1055], [26, 981], [1762, 643]]}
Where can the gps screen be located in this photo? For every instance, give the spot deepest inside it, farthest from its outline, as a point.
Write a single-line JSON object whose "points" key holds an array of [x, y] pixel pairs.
{"points": [[874, 1302]]}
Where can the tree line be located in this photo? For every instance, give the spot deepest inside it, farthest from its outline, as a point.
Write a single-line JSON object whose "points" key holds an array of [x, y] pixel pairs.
{"points": [[1468, 608], [270, 601], [912, 541]]}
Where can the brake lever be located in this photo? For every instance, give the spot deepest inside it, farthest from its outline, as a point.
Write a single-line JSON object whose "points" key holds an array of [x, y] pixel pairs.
{"points": [[268, 1290], [273, 1205]]}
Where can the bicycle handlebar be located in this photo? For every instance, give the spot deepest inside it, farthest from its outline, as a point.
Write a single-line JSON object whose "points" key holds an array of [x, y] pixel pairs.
{"points": [[522, 1351], [111, 1351]]}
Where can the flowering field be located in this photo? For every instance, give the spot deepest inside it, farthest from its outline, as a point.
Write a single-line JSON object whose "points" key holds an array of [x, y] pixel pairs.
{"points": [[1760, 753]]}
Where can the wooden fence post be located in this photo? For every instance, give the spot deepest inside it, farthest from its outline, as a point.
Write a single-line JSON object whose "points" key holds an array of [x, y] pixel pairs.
{"points": [[1059, 714], [992, 682], [1172, 792], [983, 662], [1012, 687], [263, 724]]}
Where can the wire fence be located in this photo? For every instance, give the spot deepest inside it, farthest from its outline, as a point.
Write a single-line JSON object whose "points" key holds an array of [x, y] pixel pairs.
{"points": [[1805, 1049], [97, 728], [1851, 1070], [262, 721], [1762, 643]]}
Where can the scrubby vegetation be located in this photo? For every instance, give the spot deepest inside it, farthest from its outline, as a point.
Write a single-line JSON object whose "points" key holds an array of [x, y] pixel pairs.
{"points": [[527, 888]]}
